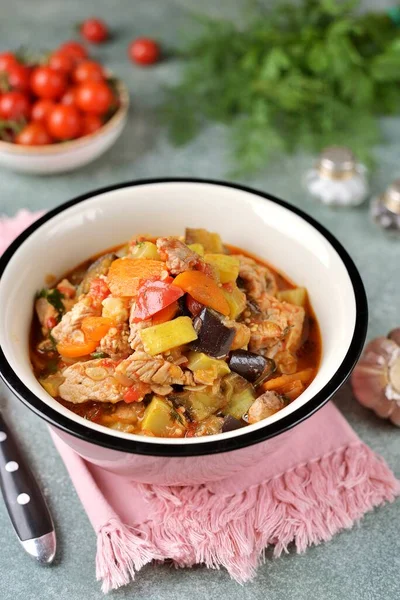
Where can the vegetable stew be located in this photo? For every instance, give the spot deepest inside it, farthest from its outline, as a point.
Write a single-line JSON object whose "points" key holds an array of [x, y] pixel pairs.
{"points": [[174, 337]]}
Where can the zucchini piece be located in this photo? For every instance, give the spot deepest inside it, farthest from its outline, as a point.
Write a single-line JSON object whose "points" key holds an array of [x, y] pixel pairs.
{"points": [[163, 337], [240, 395], [202, 404], [226, 265], [236, 300], [198, 248], [52, 384], [209, 426], [145, 250], [297, 296], [161, 419], [99, 267], [211, 242], [200, 361]]}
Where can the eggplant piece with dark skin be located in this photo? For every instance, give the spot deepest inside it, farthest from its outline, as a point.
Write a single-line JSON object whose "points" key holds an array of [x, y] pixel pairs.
{"points": [[214, 338], [231, 424], [251, 366]]}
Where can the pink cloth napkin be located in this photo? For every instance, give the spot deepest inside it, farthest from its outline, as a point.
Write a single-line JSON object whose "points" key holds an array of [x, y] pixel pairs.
{"points": [[323, 479]]}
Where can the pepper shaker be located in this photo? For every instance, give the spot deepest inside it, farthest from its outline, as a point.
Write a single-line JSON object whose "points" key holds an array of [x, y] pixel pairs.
{"points": [[385, 209], [337, 179]]}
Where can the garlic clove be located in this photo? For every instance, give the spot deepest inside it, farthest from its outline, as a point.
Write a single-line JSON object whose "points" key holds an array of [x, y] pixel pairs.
{"points": [[395, 416], [384, 407]]}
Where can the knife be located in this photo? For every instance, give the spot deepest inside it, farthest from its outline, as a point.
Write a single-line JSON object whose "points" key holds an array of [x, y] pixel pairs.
{"points": [[24, 500]]}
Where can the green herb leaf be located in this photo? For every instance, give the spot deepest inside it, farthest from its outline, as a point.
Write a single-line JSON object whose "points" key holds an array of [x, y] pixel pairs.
{"points": [[307, 75], [54, 297], [99, 355]]}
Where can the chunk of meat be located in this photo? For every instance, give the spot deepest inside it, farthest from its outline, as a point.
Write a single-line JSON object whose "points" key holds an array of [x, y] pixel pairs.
{"points": [[47, 314], [258, 278], [91, 380], [177, 255], [72, 320], [264, 406], [66, 288], [134, 340], [278, 328], [116, 342], [154, 370]]}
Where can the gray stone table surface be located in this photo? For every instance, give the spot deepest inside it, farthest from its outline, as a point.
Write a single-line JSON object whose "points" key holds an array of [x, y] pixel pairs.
{"points": [[360, 564]]}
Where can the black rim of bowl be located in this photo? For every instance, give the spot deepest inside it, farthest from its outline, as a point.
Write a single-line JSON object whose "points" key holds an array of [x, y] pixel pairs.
{"points": [[210, 446]]}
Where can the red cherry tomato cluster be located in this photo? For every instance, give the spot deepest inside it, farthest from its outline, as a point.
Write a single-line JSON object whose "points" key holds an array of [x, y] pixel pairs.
{"points": [[66, 98]]}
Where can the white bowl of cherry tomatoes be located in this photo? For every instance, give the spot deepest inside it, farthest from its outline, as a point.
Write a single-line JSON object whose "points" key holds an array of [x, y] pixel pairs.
{"points": [[60, 113]]}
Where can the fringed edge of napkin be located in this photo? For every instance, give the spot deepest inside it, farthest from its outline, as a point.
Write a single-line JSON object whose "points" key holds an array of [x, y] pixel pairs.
{"points": [[306, 505]]}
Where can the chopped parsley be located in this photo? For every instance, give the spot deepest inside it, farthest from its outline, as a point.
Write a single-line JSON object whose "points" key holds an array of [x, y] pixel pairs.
{"points": [[99, 355], [54, 297]]}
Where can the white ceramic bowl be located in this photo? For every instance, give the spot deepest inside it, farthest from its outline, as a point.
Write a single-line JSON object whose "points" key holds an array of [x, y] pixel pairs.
{"points": [[67, 156], [257, 222]]}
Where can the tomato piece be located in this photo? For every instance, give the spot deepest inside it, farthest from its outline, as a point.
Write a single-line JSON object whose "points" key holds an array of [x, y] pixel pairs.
{"points": [[88, 70], [152, 297], [74, 49], [7, 59], [14, 105], [64, 122], [204, 289], [70, 350], [166, 314], [51, 322], [18, 77], [193, 306], [95, 328], [61, 61], [90, 123], [48, 83], [33, 134], [94, 30], [41, 109], [136, 393], [98, 290], [94, 97], [144, 51]]}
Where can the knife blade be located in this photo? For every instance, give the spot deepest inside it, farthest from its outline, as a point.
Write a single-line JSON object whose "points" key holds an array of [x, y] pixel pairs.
{"points": [[26, 505]]}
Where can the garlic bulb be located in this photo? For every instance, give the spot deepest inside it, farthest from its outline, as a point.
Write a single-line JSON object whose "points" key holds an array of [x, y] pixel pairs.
{"points": [[376, 378]]}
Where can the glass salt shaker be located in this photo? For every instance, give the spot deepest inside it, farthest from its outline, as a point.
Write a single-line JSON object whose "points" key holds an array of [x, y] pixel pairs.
{"points": [[385, 209], [337, 179]]}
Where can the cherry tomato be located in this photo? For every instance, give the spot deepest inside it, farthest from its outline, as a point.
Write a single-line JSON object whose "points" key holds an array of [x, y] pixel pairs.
{"points": [[18, 77], [94, 30], [64, 122], [69, 97], [74, 49], [14, 105], [33, 134], [61, 61], [94, 97], [41, 109], [48, 83], [90, 123], [7, 59], [144, 51], [152, 297], [88, 70]]}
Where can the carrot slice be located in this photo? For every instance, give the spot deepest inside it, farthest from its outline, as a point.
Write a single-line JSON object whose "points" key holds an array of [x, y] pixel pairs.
{"points": [[70, 350], [125, 274], [96, 328], [204, 289], [280, 382], [165, 314]]}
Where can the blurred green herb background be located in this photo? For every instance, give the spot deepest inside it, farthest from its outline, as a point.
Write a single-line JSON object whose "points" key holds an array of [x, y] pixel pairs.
{"points": [[295, 76]]}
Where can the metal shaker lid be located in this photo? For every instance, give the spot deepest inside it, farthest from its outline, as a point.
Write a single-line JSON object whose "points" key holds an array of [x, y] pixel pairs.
{"points": [[337, 162], [391, 198]]}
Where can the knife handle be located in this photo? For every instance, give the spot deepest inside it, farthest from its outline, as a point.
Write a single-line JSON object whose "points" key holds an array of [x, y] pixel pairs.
{"points": [[24, 500]]}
